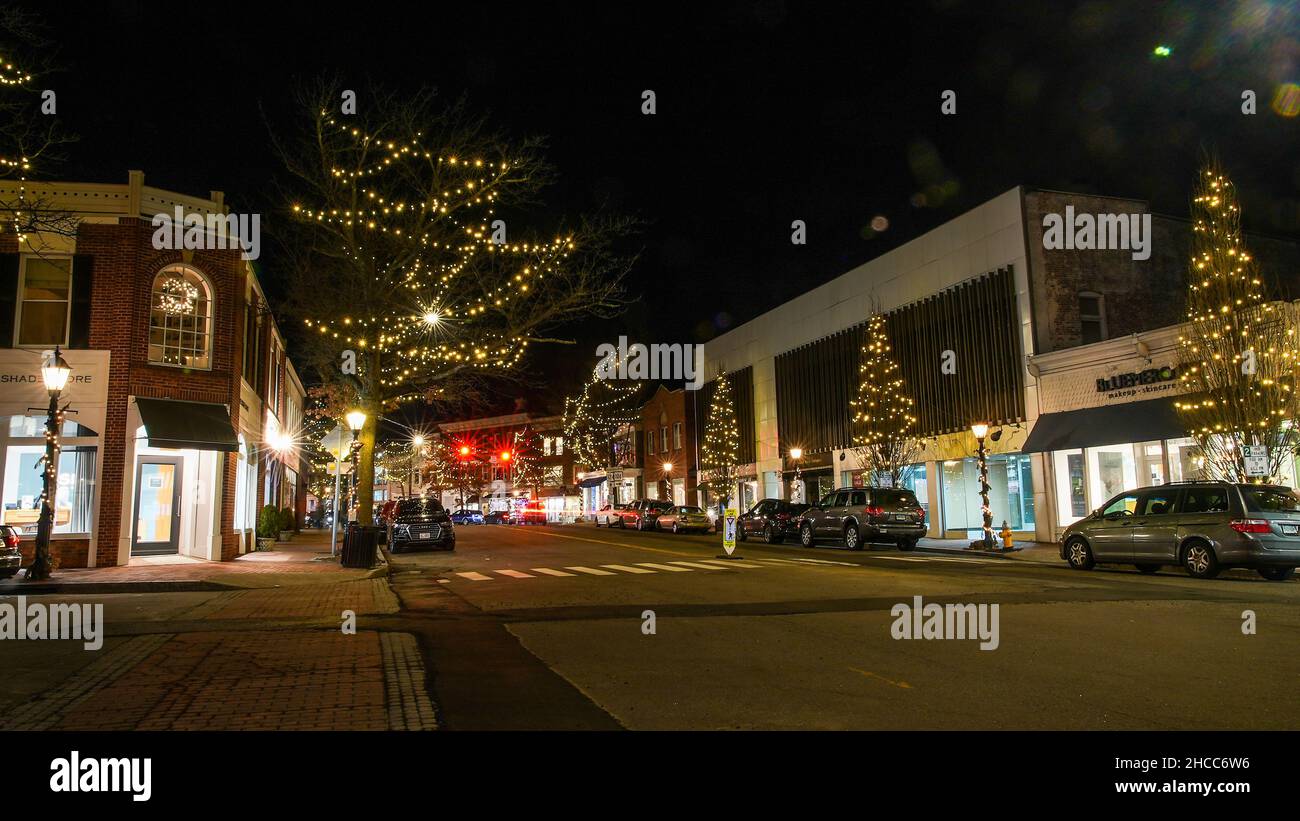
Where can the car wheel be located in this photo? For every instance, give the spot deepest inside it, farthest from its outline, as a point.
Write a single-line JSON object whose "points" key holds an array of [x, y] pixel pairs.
{"points": [[640, 524], [907, 544], [1079, 555], [676, 529], [1147, 568], [740, 531], [1199, 561], [806, 535], [769, 535], [1276, 574], [852, 538]]}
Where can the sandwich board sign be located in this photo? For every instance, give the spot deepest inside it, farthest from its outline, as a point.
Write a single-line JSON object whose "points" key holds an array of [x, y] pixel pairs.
{"points": [[729, 519], [1256, 460]]}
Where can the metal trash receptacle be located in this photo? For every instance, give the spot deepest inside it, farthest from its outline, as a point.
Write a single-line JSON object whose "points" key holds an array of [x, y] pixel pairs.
{"points": [[360, 545]]}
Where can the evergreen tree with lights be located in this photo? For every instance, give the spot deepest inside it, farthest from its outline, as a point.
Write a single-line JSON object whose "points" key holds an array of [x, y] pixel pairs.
{"points": [[883, 420], [413, 263], [1238, 353], [526, 456], [600, 424], [720, 453]]}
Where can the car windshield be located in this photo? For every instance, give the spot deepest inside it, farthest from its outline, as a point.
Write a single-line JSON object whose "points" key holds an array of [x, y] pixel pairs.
{"points": [[415, 507], [1271, 499]]}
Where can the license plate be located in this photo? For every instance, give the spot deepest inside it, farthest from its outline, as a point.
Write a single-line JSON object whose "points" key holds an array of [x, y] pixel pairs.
{"points": [[425, 536], [902, 517], [1290, 530]]}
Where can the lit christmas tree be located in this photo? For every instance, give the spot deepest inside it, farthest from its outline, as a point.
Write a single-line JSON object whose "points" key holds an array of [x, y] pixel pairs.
{"points": [[720, 454], [415, 269], [882, 412], [600, 424], [1238, 351], [526, 460]]}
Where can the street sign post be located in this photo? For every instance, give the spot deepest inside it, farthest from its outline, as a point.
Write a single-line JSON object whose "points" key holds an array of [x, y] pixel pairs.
{"points": [[730, 517], [1256, 460]]}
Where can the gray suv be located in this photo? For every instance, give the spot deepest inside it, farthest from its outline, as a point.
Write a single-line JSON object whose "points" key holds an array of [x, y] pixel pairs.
{"points": [[859, 514], [1203, 526]]}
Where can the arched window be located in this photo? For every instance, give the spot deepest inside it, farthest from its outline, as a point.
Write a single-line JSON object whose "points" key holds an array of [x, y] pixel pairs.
{"points": [[180, 319], [1092, 317]]}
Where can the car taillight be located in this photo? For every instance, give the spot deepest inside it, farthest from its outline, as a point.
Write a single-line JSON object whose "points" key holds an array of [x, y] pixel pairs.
{"points": [[920, 511], [1251, 526], [11, 540], [874, 510], [783, 515]]}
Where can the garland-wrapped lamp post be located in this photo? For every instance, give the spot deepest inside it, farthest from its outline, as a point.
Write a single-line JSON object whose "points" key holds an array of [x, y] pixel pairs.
{"points": [[981, 430], [54, 372]]}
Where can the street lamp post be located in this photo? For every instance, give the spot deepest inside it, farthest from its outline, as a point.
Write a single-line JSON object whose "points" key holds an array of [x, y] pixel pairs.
{"points": [[796, 454], [668, 479], [356, 420], [981, 430], [54, 372], [417, 442]]}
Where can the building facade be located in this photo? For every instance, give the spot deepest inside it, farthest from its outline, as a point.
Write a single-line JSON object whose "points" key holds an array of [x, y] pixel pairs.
{"points": [[180, 396], [671, 455]]}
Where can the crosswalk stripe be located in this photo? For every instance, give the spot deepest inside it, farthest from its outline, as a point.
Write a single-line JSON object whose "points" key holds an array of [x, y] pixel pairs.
{"points": [[697, 565], [667, 567], [515, 574], [549, 572], [627, 569], [591, 571], [729, 563], [475, 577]]}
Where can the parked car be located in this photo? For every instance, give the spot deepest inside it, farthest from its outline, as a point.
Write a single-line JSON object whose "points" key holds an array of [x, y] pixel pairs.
{"points": [[467, 517], [420, 522], [683, 519], [1203, 526], [11, 559], [860, 514], [497, 517], [642, 513], [608, 515], [532, 513], [772, 520]]}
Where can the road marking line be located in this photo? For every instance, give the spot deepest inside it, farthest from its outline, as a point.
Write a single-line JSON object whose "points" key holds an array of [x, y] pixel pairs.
{"points": [[729, 563], [548, 571], [665, 567], [698, 565], [619, 544], [591, 571], [900, 558], [959, 561], [515, 574], [900, 684], [475, 577], [824, 561], [627, 569]]}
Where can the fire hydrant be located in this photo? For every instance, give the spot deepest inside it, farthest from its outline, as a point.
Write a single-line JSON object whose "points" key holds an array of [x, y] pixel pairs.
{"points": [[1007, 541]]}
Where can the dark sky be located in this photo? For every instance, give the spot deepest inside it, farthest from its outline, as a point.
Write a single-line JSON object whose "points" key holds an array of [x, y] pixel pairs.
{"points": [[767, 112]]}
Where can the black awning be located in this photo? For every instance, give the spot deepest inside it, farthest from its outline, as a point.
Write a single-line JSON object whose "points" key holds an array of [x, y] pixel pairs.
{"points": [[1108, 425], [187, 425], [592, 482]]}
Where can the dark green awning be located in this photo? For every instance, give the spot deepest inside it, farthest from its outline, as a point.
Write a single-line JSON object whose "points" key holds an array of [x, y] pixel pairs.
{"points": [[187, 425], [1117, 424]]}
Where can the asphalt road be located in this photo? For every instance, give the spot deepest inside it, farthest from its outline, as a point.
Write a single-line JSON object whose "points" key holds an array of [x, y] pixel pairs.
{"points": [[543, 627]]}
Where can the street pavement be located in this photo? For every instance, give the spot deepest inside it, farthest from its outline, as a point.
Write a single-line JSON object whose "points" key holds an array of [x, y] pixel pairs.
{"points": [[545, 627]]}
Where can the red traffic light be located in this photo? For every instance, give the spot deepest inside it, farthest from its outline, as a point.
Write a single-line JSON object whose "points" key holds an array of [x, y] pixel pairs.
{"points": [[464, 450], [505, 456]]}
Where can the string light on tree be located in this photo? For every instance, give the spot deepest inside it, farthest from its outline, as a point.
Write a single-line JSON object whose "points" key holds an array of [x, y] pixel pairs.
{"points": [[720, 453], [883, 419]]}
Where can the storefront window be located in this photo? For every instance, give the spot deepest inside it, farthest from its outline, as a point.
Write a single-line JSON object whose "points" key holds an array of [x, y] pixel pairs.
{"points": [[23, 480], [1185, 461], [1011, 492], [1067, 470], [1111, 469]]}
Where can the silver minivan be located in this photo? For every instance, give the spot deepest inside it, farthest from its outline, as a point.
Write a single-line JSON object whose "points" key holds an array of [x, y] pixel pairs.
{"points": [[1203, 526]]}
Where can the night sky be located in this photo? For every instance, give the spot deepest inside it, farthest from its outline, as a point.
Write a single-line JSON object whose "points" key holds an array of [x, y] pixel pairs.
{"points": [[767, 112]]}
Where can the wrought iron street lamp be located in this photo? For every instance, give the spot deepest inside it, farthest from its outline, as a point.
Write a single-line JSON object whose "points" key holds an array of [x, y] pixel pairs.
{"points": [[54, 372], [981, 431], [356, 421], [796, 454]]}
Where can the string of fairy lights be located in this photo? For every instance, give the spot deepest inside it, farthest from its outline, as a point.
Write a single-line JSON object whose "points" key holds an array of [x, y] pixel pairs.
{"points": [[882, 410], [720, 453], [11, 75], [593, 419], [439, 327]]}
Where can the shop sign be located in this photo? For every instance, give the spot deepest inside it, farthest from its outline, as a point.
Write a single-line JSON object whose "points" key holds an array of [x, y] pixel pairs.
{"points": [[1151, 376]]}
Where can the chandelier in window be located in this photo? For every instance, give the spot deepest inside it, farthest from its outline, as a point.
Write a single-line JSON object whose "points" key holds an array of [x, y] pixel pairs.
{"points": [[177, 296]]}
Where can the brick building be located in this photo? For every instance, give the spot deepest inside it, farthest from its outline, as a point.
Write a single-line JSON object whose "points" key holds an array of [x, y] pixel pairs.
{"points": [[668, 419], [182, 402]]}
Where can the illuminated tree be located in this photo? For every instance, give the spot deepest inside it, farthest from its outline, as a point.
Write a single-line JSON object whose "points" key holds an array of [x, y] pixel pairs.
{"points": [[720, 453], [882, 412], [526, 459], [1238, 351], [413, 261], [600, 423]]}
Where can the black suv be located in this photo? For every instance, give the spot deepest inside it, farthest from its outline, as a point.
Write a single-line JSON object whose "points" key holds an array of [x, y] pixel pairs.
{"points": [[771, 519], [855, 514], [420, 522]]}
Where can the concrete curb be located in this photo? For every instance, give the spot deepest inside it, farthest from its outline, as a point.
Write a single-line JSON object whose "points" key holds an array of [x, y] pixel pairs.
{"points": [[96, 588]]}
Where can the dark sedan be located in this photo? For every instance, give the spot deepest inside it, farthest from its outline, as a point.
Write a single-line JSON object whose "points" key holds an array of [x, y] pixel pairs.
{"points": [[772, 520], [467, 517], [497, 517], [420, 523]]}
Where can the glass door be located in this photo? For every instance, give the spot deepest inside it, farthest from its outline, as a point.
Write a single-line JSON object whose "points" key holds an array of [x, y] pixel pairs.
{"points": [[157, 506]]}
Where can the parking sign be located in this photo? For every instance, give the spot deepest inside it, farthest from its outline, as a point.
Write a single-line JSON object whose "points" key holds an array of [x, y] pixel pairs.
{"points": [[1256, 460]]}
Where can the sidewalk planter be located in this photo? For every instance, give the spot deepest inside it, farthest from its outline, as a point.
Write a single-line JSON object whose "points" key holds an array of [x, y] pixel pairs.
{"points": [[265, 544], [286, 524]]}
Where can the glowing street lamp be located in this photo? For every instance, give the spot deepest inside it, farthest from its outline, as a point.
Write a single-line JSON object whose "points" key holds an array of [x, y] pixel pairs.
{"points": [[54, 373], [796, 454], [356, 421], [981, 430]]}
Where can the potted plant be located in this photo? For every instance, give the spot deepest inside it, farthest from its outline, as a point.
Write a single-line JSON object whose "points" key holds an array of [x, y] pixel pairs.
{"points": [[268, 527], [286, 524]]}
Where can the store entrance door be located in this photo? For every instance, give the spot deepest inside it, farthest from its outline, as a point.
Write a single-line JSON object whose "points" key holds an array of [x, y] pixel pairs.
{"points": [[157, 506]]}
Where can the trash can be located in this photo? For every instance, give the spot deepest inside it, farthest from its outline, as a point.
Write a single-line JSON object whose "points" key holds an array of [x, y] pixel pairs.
{"points": [[360, 544]]}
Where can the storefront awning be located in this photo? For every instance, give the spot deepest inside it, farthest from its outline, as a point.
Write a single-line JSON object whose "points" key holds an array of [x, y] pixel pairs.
{"points": [[1109, 425], [592, 482], [187, 425]]}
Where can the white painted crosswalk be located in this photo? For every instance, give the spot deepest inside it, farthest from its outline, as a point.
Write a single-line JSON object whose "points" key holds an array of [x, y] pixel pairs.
{"points": [[715, 565]]}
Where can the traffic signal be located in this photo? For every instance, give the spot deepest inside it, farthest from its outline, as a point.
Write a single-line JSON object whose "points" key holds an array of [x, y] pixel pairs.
{"points": [[505, 456], [464, 451]]}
